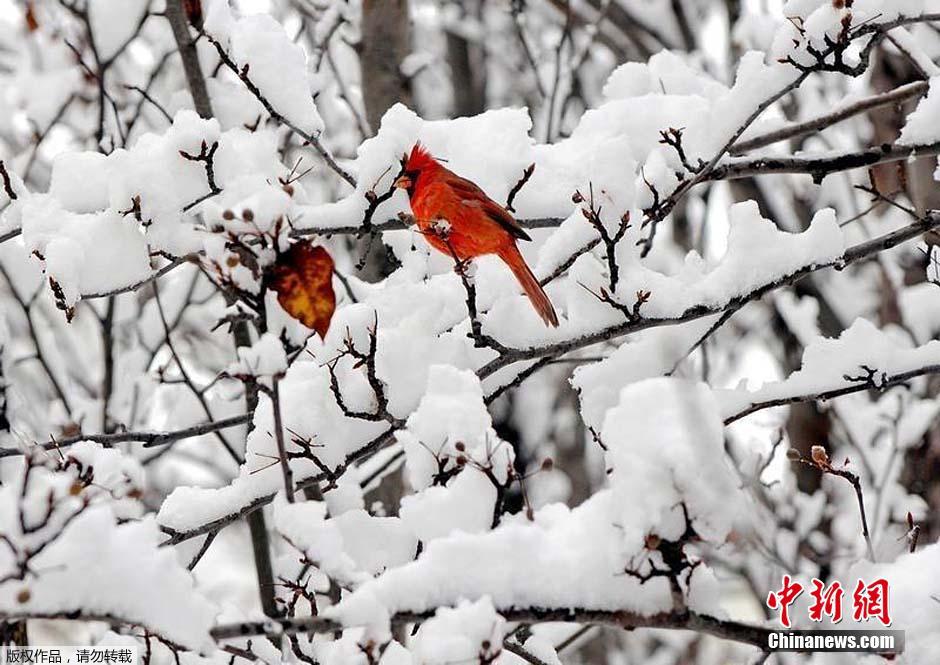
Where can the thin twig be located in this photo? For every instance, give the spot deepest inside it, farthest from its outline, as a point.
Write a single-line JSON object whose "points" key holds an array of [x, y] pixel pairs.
{"points": [[800, 129], [820, 460], [681, 620], [855, 253], [279, 438], [242, 74]]}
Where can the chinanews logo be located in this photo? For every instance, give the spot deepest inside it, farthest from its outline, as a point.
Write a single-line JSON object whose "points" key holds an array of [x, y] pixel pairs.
{"points": [[870, 604], [869, 601]]}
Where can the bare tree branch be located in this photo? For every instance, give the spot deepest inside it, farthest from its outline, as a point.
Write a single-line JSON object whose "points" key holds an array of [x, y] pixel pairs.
{"points": [[800, 129], [823, 165], [242, 74], [190, 57], [855, 253], [150, 439], [677, 620], [885, 382]]}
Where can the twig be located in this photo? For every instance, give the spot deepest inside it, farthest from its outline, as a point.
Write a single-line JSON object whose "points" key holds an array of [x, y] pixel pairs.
{"points": [[520, 377], [365, 359], [157, 274], [242, 74], [563, 267], [150, 439], [151, 79], [361, 123], [202, 550], [571, 639], [207, 157], [863, 384], [856, 253], [34, 335], [593, 215], [681, 620], [188, 380], [517, 15], [41, 135], [7, 184], [146, 96], [107, 350], [190, 57], [514, 647], [399, 223], [556, 80], [688, 37], [526, 174], [820, 460], [9, 235], [835, 49], [799, 129], [279, 438], [820, 167], [368, 448]]}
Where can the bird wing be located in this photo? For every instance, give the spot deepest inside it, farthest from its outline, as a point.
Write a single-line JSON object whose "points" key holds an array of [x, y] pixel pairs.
{"points": [[474, 197]]}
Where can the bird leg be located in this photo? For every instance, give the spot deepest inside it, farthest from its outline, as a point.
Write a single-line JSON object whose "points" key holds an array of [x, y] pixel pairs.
{"points": [[480, 340], [461, 266]]}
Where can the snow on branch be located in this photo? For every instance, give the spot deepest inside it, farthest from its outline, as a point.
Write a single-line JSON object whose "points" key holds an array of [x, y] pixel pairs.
{"points": [[52, 563]]}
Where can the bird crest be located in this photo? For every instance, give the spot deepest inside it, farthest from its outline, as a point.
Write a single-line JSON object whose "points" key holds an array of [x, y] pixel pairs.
{"points": [[418, 160]]}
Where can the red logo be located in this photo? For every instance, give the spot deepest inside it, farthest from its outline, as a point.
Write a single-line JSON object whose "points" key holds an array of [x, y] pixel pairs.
{"points": [[869, 601], [826, 601], [784, 598]]}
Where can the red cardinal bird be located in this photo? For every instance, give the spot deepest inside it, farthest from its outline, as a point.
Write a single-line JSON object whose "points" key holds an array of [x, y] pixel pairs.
{"points": [[477, 224]]}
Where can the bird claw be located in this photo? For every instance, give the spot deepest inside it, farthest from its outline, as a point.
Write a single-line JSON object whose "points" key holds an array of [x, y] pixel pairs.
{"points": [[462, 266]]}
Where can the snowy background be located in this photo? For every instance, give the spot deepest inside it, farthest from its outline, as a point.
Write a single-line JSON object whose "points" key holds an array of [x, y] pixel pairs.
{"points": [[732, 210]]}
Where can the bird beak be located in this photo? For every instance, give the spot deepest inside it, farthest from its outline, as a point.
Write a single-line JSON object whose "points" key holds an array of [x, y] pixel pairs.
{"points": [[403, 182]]}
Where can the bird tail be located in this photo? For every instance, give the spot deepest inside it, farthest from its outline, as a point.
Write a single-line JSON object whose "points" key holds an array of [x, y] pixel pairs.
{"points": [[513, 258]]}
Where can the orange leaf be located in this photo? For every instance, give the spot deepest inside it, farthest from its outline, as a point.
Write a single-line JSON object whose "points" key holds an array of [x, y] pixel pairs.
{"points": [[302, 277]]}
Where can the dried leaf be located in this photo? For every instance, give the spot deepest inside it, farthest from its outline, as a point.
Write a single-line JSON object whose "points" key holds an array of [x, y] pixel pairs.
{"points": [[302, 277]]}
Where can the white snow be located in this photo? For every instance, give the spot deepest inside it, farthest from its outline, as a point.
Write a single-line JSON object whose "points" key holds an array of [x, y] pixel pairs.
{"points": [[74, 246], [566, 558], [913, 599], [467, 632], [921, 125], [663, 437], [826, 362], [113, 22], [275, 64], [132, 579], [350, 547]]}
